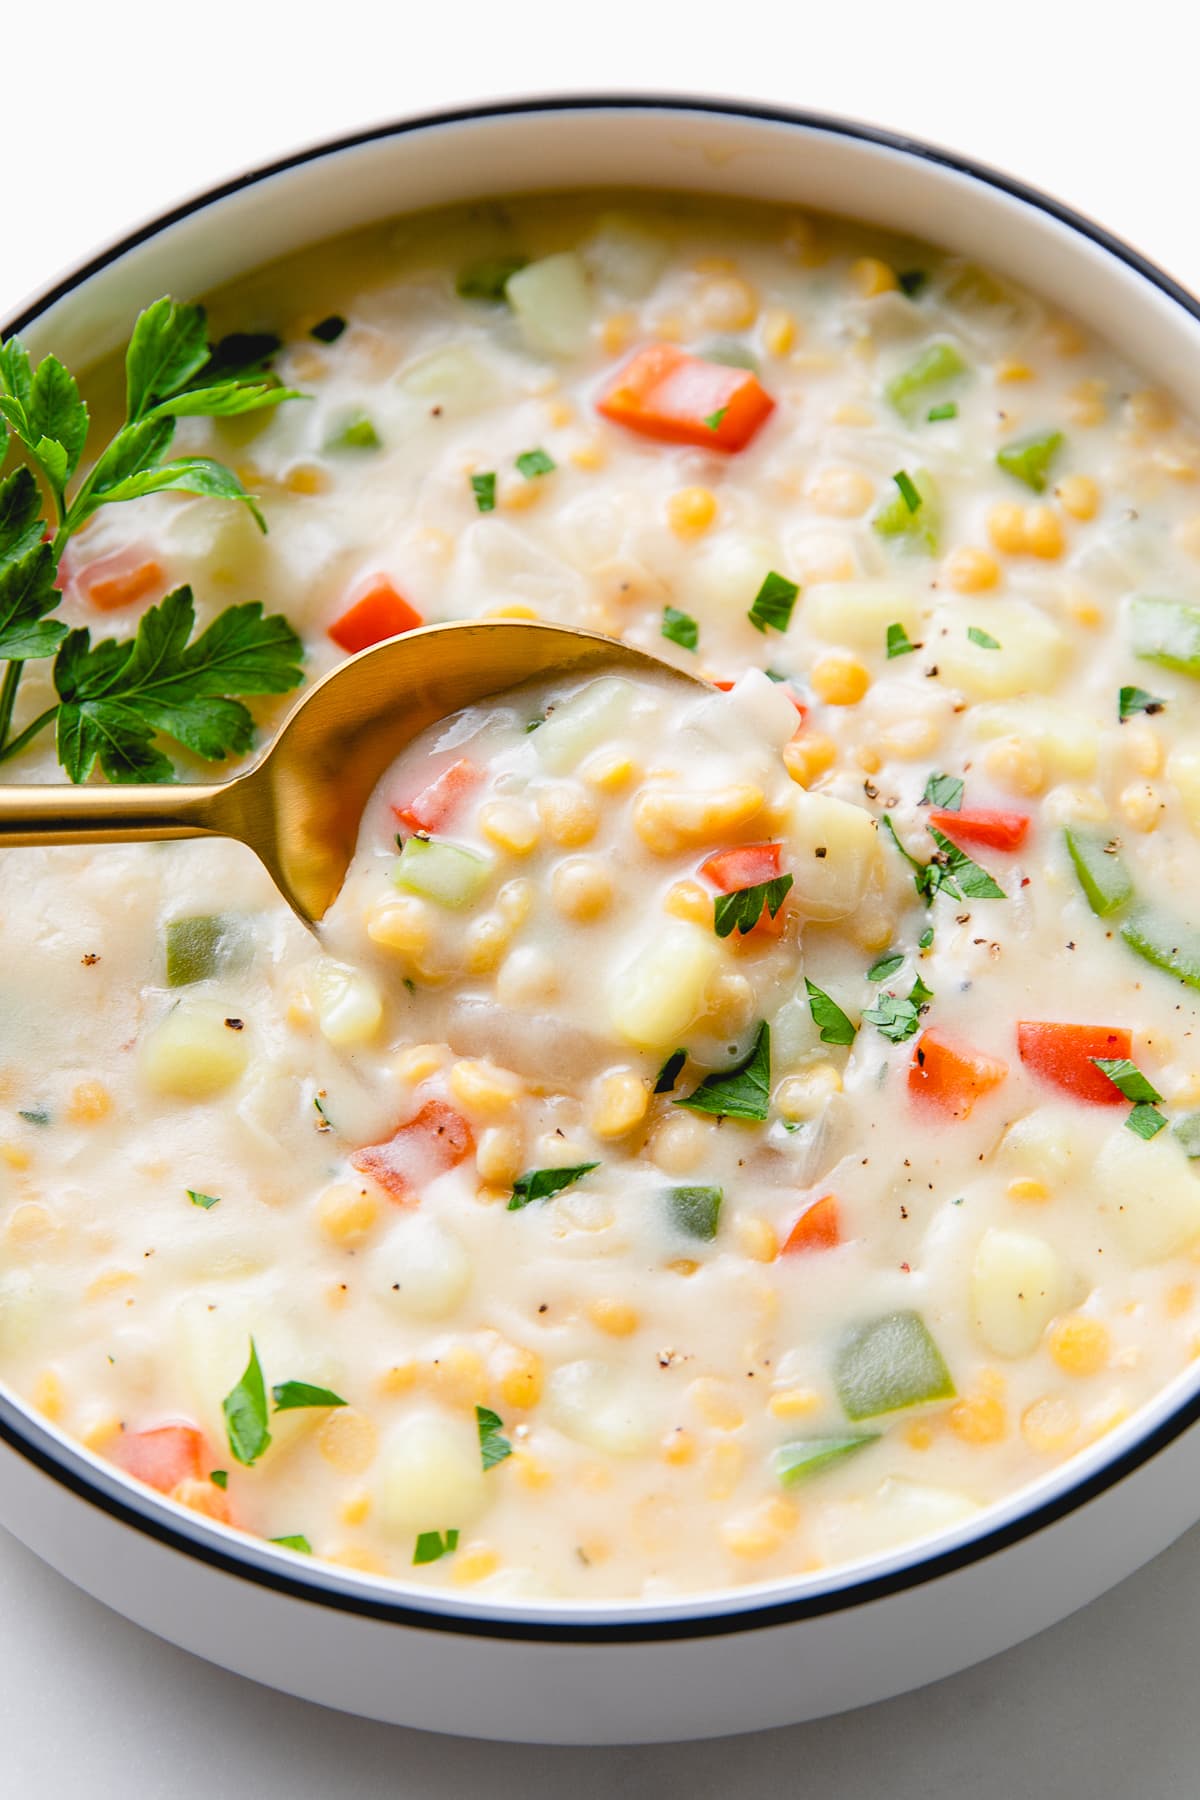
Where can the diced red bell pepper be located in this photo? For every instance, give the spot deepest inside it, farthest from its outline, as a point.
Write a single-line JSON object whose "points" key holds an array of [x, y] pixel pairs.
{"points": [[432, 808], [663, 393], [819, 1227], [161, 1458], [120, 579], [433, 1141], [744, 866], [951, 1076], [982, 825], [1061, 1055], [379, 612]]}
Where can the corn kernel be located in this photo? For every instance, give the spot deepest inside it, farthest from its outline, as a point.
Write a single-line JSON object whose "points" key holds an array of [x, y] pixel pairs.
{"points": [[1026, 1190], [691, 510], [346, 1213], [979, 1419], [401, 1378], [715, 1403], [517, 493], [1179, 1299], [110, 1281], [512, 609], [515, 901], [417, 1062], [728, 1002], [355, 1510], [1006, 528], [403, 923], [910, 739], [347, 1440], [498, 1155], [794, 1403], [617, 1104], [526, 977], [1150, 410], [971, 571], [616, 1317], [680, 1144], [48, 1396], [1078, 495], [473, 1563], [30, 1224], [1079, 1345], [841, 493], [487, 940], [1048, 1425], [757, 1239], [1012, 369], [803, 1096], [760, 1533], [873, 925], [1141, 806], [581, 888], [482, 1088], [1044, 536], [521, 1377], [727, 303], [610, 770], [679, 1447], [589, 453], [868, 759], [870, 276], [688, 900], [668, 822], [1015, 765], [459, 1375], [839, 680], [510, 826], [919, 1435], [568, 815], [616, 332], [354, 1556], [1087, 402], [307, 478], [1141, 747], [89, 1101], [16, 1156], [529, 1471], [778, 331], [851, 413], [100, 1434], [725, 1464]]}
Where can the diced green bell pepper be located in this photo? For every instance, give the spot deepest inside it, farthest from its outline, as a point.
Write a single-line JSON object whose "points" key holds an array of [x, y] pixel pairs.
{"points": [[888, 1364], [487, 280], [733, 354], [938, 367], [207, 944], [897, 519], [809, 1456], [1102, 875], [445, 873], [1166, 632], [1165, 941], [1029, 458], [356, 434], [694, 1211]]}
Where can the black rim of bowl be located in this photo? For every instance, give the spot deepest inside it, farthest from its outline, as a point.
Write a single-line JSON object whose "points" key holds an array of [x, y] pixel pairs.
{"points": [[26, 1435]]}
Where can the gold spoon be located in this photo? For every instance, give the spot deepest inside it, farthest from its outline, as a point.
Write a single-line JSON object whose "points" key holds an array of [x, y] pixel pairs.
{"points": [[299, 807]]}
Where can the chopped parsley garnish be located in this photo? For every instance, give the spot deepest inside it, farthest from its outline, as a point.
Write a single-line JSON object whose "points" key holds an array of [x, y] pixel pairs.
{"points": [[324, 1122], [541, 1184], [532, 724], [1136, 700], [219, 1477], [773, 603], [34, 1115], [831, 1022], [432, 1545], [713, 421], [739, 1092], [207, 1201], [908, 492], [950, 871], [742, 909], [493, 1447], [947, 410], [327, 331], [533, 463], [484, 489], [289, 1396], [680, 628], [898, 642], [887, 965], [295, 1542], [984, 639], [694, 1211], [670, 1072], [925, 941], [245, 1410], [912, 281], [943, 791], [356, 434], [896, 1018], [1029, 459], [1144, 1120], [487, 280]]}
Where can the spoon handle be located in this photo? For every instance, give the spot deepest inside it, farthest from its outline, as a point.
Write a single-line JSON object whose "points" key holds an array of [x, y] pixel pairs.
{"points": [[35, 814]]}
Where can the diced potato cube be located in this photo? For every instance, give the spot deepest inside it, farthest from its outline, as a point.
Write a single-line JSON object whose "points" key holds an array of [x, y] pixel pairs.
{"points": [[1149, 1194], [1021, 649], [592, 1403], [553, 304], [197, 1051], [455, 376], [431, 1474], [1066, 742], [349, 1006], [625, 255], [832, 850], [1017, 1285], [858, 613], [729, 571], [1050, 1144], [596, 712], [1183, 772], [421, 1269], [657, 996]]}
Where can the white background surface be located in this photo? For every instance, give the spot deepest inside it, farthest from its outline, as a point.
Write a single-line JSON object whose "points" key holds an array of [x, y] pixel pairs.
{"points": [[112, 113]]}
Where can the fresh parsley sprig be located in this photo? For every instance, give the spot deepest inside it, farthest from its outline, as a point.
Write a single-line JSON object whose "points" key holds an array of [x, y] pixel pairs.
{"points": [[743, 908], [172, 372]]}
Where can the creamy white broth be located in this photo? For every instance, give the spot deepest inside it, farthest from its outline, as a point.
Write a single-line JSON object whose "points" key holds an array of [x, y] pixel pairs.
{"points": [[645, 1380]]}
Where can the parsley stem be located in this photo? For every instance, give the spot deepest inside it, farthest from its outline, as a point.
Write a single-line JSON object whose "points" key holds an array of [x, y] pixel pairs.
{"points": [[8, 698], [17, 744]]}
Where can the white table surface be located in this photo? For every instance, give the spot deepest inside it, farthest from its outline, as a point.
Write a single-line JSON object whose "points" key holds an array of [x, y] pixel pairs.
{"points": [[111, 112]]}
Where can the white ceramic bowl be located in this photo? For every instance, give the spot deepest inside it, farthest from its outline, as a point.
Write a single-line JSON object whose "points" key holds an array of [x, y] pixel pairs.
{"points": [[698, 1666]]}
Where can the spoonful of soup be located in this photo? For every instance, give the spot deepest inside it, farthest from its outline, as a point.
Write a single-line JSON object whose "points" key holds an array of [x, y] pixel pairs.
{"points": [[299, 807]]}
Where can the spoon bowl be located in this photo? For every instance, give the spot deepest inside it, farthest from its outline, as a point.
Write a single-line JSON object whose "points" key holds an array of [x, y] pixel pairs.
{"points": [[300, 805]]}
